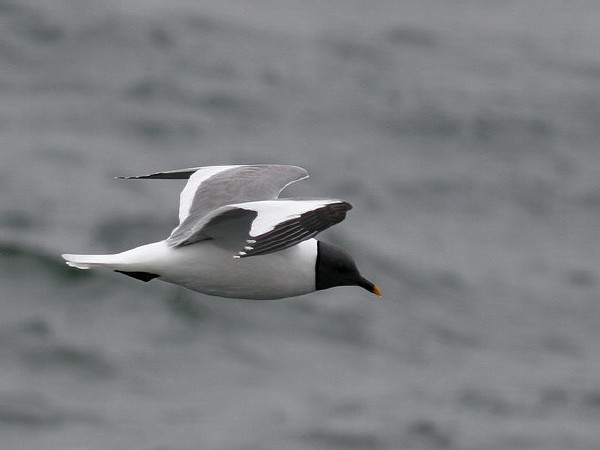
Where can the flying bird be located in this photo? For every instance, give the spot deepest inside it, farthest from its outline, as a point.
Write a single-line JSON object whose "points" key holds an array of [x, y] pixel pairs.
{"points": [[236, 237]]}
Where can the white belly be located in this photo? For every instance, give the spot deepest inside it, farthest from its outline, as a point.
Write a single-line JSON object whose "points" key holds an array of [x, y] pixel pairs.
{"points": [[210, 269]]}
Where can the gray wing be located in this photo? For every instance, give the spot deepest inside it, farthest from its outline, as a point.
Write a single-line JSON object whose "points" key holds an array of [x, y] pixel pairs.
{"points": [[236, 184], [211, 187], [258, 228]]}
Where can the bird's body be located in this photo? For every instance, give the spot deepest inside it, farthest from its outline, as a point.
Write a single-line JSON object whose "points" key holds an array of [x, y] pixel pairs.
{"points": [[210, 269], [229, 243]]}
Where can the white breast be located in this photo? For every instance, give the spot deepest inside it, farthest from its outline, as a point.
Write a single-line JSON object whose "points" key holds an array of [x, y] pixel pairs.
{"points": [[208, 268]]}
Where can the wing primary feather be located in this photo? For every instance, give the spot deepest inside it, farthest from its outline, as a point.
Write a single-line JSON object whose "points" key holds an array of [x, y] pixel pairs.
{"points": [[289, 235], [297, 229], [282, 245], [178, 174]]}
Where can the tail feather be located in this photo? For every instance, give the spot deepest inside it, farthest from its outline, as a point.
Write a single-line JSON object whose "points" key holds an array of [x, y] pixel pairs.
{"points": [[139, 259], [89, 261]]}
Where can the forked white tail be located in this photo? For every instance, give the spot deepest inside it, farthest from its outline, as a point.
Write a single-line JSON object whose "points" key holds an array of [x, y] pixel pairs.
{"points": [[141, 258], [90, 261]]}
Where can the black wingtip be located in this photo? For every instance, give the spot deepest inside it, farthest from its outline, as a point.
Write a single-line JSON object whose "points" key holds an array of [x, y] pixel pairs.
{"points": [[179, 174]]}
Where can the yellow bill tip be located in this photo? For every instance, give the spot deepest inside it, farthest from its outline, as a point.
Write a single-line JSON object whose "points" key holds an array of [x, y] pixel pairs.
{"points": [[377, 291]]}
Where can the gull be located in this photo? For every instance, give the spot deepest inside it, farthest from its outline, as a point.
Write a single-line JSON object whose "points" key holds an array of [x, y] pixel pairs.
{"points": [[236, 238]]}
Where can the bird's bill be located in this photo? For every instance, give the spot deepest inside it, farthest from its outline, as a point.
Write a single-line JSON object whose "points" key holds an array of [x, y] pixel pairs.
{"points": [[373, 288], [377, 291]]}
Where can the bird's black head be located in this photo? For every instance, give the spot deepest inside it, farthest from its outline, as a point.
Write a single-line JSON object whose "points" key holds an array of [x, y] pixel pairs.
{"points": [[335, 267]]}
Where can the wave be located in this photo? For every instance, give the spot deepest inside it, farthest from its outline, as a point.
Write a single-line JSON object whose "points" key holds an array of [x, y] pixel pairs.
{"points": [[43, 259], [34, 343]]}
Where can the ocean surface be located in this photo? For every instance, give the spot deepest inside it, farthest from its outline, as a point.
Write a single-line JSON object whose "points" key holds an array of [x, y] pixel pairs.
{"points": [[466, 135]]}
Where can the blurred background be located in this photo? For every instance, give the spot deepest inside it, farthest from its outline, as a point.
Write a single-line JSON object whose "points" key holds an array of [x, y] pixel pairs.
{"points": [[464, 133]]}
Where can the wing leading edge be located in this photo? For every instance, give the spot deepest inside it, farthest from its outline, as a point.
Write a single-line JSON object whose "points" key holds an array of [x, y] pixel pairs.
{"points": [[265, 226]]}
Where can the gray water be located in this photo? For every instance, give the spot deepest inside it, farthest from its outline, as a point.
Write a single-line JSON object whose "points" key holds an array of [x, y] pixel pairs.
{"points": [[464, 133]]}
